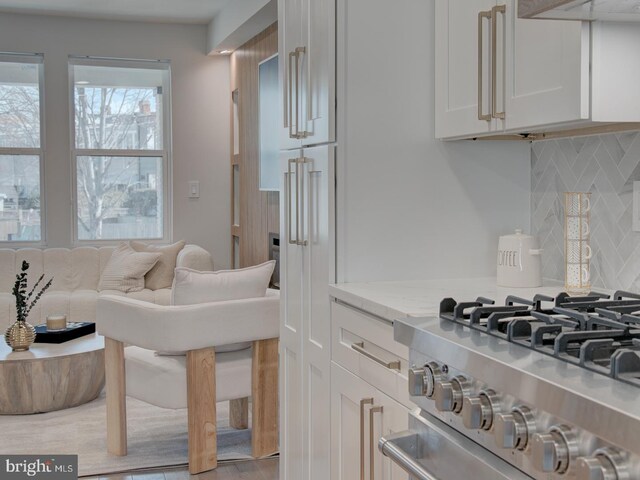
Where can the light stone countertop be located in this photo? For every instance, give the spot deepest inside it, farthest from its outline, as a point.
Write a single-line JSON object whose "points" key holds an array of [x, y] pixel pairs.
{"points": [[391, 300]]}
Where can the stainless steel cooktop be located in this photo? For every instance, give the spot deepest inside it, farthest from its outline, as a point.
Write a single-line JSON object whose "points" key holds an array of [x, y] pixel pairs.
{"points": [[548, 384]]}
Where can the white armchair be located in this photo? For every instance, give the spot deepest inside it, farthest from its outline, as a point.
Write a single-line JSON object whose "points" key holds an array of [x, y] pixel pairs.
{"points": [[201, 377]]}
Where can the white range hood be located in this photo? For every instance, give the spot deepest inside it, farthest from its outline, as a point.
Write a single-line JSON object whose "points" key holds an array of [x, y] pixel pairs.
{"points": [[609, 10]]}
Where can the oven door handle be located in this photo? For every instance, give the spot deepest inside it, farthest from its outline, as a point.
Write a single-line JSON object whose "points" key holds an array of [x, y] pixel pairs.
{"points": [[398, 446]]}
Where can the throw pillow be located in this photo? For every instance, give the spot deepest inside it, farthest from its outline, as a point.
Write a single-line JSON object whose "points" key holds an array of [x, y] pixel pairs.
{"points": [[126, 268], [191, 286], [161, 275]]}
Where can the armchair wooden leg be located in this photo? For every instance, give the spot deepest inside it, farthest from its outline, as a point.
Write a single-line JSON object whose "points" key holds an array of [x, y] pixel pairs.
{"points": [[239, 413], [264, 391], [116, 397], [201, 410]]}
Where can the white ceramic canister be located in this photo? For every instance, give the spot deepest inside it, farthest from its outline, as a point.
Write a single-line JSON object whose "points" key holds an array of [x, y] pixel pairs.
{"points": [[519, 262]]}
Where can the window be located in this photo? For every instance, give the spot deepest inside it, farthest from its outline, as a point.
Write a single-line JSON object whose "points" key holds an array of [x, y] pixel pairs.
{"points": [[121, 152], [20, 148]]}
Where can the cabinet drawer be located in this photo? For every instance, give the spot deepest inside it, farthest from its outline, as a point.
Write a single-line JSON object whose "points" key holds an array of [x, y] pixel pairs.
{"points": [[364, 345]]}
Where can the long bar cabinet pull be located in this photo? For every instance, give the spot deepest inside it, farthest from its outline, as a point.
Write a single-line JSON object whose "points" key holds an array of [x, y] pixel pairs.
{"points": [[289, 174], [481, 17], [363, 402], [309, 108], [311, 219], [298, 212], [299, 218], [372, 411], [498, 9], [299, 51], [290, 109], [286, 90], [359, 347]]}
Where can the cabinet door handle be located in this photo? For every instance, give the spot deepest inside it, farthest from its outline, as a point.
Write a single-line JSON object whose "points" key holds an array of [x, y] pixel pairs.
{"points": [[290, 109], [299, 217], [494, 60], [372, 411], [299, 51], [298, 212], [297, 96], [309, 115], [481, 17], [312, 220], [289, 198], [363, 402], [286, 88], [359, 347], [287, 191]]}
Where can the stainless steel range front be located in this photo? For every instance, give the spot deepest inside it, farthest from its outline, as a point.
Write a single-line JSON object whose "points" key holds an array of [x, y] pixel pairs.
{"points": [[545, 388]]}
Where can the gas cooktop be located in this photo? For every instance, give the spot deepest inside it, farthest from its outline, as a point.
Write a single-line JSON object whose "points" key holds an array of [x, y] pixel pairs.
{"points": [[596, 331], [548, 385]]}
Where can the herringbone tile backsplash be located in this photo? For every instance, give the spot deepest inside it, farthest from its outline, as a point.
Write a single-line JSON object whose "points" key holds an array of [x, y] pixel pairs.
{"points": [[605, 165]]}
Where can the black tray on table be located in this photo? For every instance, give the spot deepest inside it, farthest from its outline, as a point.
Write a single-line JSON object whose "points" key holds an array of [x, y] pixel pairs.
{"points": [[74, 330]]}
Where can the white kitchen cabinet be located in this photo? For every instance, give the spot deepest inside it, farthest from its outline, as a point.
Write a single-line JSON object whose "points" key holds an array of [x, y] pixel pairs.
{"points": [[529, 75], [360, 415], [462, 73], [496, 72], [307, 71], [307, 267], [547, 61]]}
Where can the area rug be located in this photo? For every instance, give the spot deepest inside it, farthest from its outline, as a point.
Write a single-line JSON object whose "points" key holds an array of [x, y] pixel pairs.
{"points": [[157, 437]]}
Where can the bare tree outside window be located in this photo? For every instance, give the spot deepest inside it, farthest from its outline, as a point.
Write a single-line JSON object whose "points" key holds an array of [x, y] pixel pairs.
{"points": [[119, 195], [19, 116], [20, 150]]}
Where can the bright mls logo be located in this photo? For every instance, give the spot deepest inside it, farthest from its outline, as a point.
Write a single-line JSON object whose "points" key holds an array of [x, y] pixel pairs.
{"points": [[37, 467]]}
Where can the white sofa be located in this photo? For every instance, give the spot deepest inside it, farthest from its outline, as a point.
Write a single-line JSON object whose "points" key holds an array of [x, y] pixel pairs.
{"points": [[76, 274]]}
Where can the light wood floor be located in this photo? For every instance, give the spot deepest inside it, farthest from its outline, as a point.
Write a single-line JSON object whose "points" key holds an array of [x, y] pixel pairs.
{"points": [[250, 470]]}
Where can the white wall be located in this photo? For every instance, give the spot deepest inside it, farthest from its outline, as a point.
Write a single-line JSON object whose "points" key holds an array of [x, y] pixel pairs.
{"points": [[200, 107], [411, 206]]}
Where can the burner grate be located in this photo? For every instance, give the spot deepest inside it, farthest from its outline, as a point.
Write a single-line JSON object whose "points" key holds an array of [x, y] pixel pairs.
{"points": [[591, 331]]}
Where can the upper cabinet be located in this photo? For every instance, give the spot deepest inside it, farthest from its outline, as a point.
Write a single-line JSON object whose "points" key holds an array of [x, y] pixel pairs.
{"points": [[498, 74], [462, 68], [545, 62], [307, 71]]}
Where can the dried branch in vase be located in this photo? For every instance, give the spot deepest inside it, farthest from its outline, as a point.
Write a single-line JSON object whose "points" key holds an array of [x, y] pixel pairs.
{"points": [[26, 301]]}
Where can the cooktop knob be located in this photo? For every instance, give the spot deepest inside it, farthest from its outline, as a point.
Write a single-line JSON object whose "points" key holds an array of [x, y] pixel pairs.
{"points": [[432, 375], [417, 383], [513, 430], [449, 394], [556, 450], [478, 411], [605, 464]]}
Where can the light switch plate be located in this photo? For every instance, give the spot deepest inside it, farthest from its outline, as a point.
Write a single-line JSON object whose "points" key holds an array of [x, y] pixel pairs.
{"points": [[194, 189], [636, 207]]}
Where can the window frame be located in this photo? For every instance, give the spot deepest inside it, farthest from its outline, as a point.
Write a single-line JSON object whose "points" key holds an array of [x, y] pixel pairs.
{"points": [[165, 153], [34, 59]]}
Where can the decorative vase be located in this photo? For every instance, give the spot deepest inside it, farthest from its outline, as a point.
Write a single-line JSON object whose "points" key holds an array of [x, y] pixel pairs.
{"points": [[20, 336]]}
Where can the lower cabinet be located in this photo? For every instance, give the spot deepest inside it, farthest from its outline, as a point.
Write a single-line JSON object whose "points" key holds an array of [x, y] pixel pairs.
{"points": [[360, 415]]}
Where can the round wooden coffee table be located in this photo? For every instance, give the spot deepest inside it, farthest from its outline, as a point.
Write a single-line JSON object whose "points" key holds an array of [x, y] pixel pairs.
{"points": [[51, 377]]}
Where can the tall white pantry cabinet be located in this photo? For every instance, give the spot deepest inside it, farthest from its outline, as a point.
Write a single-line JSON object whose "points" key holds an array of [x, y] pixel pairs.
{"points": [[306, 50], [340, 83]]}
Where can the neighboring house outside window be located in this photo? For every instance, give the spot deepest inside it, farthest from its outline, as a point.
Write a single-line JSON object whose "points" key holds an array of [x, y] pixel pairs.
{"points": [[120, 148], [21, 148]]}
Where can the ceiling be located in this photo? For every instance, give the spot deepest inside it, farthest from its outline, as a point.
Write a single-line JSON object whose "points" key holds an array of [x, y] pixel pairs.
{"points": [[166, 11]]}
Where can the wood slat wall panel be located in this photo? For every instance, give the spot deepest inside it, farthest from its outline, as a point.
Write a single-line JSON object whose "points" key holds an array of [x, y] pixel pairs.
{"points": [[259, 211]]}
